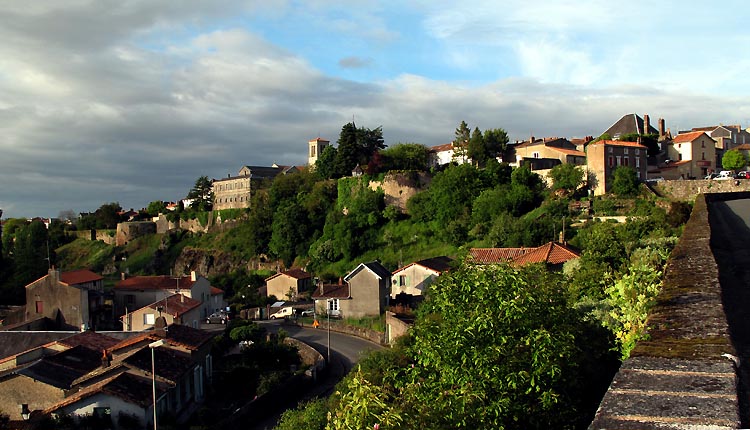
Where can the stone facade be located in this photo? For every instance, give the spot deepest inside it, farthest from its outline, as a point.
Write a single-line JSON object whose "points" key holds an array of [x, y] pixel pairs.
{"points": [[604, 156], [127, 231], [687, 191], [316, 148], [67, 305], [291, 282], [398, 188], [18, 389]]}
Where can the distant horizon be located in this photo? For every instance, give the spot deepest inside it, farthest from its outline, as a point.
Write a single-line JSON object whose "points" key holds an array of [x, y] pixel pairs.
{"points": [[133, 102]]}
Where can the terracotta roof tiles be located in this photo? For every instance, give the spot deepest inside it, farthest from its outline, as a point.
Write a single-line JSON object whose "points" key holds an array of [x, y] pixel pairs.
{"points": [[687, 137], [79, 277], [154, 283], [550, 253], [334, 291], [618, 143], [495, 255]]}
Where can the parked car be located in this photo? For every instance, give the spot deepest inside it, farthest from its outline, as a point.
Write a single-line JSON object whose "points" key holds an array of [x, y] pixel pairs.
{"points": [[307, 313], [282, 313], [742, 175], [711, 176], [217, 318], [724, 175]]}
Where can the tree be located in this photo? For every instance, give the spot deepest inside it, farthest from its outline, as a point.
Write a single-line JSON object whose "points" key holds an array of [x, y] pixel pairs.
{"points": [[566, 177], [625, 181], [202, 194], [495, 141], [156, 207], [476, 149], [325, 166], [733, 160], [461, 141], [406, 156]]}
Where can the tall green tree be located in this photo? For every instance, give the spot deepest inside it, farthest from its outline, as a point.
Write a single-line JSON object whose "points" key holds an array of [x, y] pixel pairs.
{"points": [[733, 160], [202, 194], [495, 141], [461, 141], [566, 177], [476, 149], [625, 181]]}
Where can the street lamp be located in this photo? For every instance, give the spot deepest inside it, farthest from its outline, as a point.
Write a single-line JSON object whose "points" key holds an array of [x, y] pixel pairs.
{"points": [[328, 313], [153, 346]]}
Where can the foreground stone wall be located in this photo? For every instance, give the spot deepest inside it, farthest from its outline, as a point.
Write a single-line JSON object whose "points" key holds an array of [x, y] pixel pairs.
{"points": [[679, 378], [688, 190]]}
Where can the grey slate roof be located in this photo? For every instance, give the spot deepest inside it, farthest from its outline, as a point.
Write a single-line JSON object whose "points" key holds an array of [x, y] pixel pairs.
{"points": [[378, 269], [630, 123]]}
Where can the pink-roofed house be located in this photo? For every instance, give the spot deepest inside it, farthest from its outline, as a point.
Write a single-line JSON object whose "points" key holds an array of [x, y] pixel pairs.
{"points": [[138, 291]]}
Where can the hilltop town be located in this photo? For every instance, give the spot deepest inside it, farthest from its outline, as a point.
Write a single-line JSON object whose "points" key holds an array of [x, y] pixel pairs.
{"points": [[124, 315]]}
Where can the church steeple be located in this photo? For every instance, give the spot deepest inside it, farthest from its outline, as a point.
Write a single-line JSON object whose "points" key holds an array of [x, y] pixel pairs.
{"points": [[316, 147]]}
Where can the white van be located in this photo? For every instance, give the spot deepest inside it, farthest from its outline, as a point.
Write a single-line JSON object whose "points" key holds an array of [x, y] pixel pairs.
{"points": [[282, 313], [724, 174]]}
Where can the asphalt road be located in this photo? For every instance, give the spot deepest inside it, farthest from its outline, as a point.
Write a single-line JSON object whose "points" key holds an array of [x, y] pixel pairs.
{"points": [[345, 353]]}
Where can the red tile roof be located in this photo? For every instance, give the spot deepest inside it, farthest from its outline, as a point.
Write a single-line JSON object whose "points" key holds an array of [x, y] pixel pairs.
{"points": [[743, 147], [91, 340], [179, 335], [618, 143], [335, 291], [79, 277], [687, 137], [176, 304], [550, 253], [495, 255], [216, 291], [444, 147], [292, 273], [154, 283]]}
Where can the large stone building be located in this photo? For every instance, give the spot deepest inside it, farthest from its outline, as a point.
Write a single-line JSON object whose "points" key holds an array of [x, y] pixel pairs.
{"points": [[234, 192], [604, 156]]}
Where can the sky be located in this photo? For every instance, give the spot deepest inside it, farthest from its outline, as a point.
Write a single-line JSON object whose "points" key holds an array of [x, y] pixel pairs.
{"points": [[131, 101]]}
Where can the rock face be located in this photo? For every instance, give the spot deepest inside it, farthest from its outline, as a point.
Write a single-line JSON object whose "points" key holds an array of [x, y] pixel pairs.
{"points": [[207, 262], [399, 187]]}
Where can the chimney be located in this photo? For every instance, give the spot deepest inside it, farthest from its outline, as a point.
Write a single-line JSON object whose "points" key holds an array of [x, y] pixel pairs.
{"points": [[182, 298], [193, 276], [662, 129], [122, 276], [531, 139], [341, 281], [646, 124], [105, 358]]}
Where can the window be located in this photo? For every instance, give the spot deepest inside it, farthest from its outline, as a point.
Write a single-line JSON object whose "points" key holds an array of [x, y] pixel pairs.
{"points": [[333, 304], [627, 161], [39, 307], [625, 151], [638, 165], [703, 155], [402, 280], [703, 144], [637, 151], [148, 319], [609, 149], [535, 154], [619, 161], [312, 151], [611, 161]]}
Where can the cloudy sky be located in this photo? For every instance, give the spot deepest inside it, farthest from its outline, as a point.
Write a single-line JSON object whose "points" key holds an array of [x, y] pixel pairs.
{"points": [[132, 100]]}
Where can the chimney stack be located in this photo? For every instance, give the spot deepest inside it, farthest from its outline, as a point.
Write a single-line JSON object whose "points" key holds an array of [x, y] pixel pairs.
{"points": [[105, 358], [193, 276], [646, 124], [122, 276], [662, 129]]}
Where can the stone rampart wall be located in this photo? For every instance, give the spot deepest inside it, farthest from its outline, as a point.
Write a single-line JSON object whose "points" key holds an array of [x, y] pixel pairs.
{"points": [[399, 187], [687, 190]]}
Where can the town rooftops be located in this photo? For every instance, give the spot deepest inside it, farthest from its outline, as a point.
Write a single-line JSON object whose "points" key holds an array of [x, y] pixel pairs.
{"points": [[332, 291], [495, 255], [89, 339], [629, 124], [687, 137], [155, 283], [293, 273], [176, 304], [62, 369], [126, 386], [169, 364], [618, 143], [81, 276], [550, 253], [374, 267], [178, 335]]}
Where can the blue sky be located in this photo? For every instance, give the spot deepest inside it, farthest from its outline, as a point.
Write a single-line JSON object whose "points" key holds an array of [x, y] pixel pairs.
{"points": [[131, 101]]}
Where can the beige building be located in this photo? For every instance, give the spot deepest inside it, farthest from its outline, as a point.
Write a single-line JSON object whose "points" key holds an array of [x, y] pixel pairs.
{"points": [[234, 192], [316, 148], [414, 279], [545, 153], [604, 156], [699, 149], [176, 309], [288, 285], [364, 292]]}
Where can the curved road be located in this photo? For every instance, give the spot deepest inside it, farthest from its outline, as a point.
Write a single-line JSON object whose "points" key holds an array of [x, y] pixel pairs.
{"points": [[345, 353]]}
